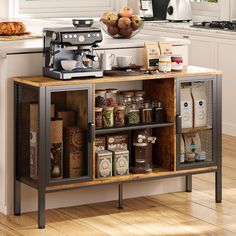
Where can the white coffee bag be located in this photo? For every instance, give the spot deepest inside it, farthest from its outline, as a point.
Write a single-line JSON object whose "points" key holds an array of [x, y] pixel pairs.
{"points": [[200, 106], [186, 108]]}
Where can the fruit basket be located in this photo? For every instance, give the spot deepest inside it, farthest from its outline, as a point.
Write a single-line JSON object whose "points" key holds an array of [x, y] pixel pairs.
{"points": [[121, 25]]}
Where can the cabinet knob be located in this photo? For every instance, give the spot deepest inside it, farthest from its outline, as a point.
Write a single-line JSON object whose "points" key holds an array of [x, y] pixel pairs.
{"points": [[186, 37]]}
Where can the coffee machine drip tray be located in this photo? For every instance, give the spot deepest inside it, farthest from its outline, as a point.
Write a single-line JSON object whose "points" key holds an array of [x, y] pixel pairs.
{"points": [[74, 74]]}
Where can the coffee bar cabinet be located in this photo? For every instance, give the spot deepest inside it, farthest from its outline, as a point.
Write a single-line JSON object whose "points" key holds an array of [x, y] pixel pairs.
{"points": [[56, 137]]}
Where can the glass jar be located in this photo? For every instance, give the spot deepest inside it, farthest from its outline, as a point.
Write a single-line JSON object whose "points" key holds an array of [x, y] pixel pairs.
{"points": [[146, 113], [165, 63], [100, 98], [143, 160], [132, 115], [126, 98], [108, 117], [111, 97], [158, 112], [98, 117], [119, 115], [138, 98]]}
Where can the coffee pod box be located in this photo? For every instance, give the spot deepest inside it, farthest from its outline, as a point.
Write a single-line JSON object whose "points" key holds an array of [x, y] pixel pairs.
{"points": [[186, 108]]}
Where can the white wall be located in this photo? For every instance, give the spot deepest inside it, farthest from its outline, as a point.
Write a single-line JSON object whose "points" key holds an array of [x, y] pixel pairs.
{"points": [[3, 8]]}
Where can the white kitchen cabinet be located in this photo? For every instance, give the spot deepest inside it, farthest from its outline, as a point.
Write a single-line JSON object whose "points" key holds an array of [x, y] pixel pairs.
{"points": [[225, 53], [201, 51]]}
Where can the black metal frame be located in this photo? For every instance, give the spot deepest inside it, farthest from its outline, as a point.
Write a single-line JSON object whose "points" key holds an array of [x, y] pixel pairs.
{"points": [[215, 142], [216, 130], [44, 185], [90, 132]]}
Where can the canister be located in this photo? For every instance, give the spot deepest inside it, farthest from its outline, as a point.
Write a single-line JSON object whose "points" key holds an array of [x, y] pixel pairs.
{"points": [[104, 164], [120, 161], [177, 63], [165, 63]]}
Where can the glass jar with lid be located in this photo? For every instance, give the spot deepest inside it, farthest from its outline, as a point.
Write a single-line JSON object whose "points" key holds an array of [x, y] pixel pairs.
{"points": [[100, 98], [98, 117], [132, 115], [108, 117], [146, 113], [138, 98], [119, 116], [142, 154], [126, 98], [111, 97]]}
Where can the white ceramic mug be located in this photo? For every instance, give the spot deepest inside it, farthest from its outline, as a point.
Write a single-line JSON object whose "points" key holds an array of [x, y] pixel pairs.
{"points": [[123, 61], [106, 60]]}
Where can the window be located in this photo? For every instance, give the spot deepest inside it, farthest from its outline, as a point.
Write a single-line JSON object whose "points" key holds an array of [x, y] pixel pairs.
{"points": [[205, 9], [64, 8]]}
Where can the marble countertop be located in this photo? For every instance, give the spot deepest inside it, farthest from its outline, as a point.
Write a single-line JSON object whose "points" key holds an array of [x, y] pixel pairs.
{"points": [[186, 26], [36, 45]]}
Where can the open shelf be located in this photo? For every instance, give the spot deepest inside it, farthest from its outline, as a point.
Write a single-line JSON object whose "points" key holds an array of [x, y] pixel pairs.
{"points": [[133, 127], [194, 130], [158, 173]]}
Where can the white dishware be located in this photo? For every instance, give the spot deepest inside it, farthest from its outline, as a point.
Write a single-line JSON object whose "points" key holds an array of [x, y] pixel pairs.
{"points": [[123, 61], [106, 60], [68, 64]]}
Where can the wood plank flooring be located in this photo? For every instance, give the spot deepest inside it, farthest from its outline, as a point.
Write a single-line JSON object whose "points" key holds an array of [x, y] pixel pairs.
{"points": [[175, 214]]}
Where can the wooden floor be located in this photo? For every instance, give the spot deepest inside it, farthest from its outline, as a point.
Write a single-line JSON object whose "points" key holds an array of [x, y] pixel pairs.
{"points": [[175, 214]]}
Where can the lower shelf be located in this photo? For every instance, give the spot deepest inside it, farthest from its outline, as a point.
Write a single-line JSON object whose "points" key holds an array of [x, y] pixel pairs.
{"points": [[157, 173]]}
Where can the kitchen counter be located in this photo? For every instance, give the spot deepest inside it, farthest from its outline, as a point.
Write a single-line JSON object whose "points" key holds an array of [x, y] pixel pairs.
{"points": [[36, 45], [185, 27]]}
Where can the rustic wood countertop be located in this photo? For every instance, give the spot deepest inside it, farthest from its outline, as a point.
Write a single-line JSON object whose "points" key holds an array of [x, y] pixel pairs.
{"points": [[41, 81]]}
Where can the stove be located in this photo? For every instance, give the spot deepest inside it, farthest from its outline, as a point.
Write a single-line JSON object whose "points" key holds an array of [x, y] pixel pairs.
{"points": [[216, 25]]}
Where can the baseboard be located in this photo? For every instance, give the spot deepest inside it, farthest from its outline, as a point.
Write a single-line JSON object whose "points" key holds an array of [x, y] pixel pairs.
{"points": [[229, 129], [3, 209]]}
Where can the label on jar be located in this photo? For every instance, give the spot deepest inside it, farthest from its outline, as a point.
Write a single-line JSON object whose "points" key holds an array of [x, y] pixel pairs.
{"points": [[165, 66]]}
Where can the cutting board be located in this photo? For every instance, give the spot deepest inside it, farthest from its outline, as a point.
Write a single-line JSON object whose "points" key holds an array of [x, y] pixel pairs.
{"points": [[19, 37]]}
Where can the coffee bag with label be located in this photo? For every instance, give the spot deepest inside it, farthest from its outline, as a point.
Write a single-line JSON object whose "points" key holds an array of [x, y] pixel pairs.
{"points": [[165, 48], [186, 108], [152, 53], [200, 106]]}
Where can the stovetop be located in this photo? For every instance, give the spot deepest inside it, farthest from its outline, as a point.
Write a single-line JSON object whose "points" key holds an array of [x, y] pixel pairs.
{"points": [[217, 25]]}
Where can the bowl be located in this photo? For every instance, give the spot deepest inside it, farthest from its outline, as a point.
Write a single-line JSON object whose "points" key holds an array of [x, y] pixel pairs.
{"points": [[118, 33], [68, 65]]}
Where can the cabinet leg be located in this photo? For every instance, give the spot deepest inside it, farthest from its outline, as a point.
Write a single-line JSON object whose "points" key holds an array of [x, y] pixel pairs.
{"points": [[120, 196], [41, 210], [218, 187], [189, 183], [17, 198]]}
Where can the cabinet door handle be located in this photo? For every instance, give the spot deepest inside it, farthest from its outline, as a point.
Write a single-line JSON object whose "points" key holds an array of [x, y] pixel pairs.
{"points": [[178, 124], [91, 132], [186, 37]]}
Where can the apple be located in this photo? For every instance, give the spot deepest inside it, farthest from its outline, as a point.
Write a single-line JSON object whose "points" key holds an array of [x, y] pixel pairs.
{"points": [[124, 23], [126, 12], [126, 32], [109, 18], [136, 22], [113, 30]]}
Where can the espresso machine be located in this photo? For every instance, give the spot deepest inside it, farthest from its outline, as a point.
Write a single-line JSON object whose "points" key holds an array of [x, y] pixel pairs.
{"points": [[73, 45]]}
